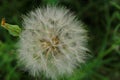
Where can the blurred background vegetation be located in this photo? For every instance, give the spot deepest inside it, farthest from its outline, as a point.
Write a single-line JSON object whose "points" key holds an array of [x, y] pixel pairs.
{"points": [[102, 18]]}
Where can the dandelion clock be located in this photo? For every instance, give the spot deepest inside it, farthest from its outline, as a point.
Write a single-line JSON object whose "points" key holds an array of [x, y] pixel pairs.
{"points": [[53, 42]]}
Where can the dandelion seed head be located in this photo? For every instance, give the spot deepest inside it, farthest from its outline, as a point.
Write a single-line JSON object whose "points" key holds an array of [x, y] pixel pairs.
{"points": [[52, 43]]}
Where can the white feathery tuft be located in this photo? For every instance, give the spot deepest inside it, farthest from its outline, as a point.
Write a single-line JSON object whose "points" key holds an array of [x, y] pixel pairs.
{"points": [[52, 43]]}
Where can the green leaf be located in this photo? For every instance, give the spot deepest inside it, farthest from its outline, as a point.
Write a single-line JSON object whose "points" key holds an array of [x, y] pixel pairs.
{"points": [[116, 5]]}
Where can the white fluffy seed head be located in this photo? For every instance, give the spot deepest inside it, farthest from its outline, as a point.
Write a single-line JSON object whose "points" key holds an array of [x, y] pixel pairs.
{"points": [[52, 43]]}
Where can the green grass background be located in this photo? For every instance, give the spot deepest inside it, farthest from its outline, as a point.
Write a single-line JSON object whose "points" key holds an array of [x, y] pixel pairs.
{"points": [[102, 18]]}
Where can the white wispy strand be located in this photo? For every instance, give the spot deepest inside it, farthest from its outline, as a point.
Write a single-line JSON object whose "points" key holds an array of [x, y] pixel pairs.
{"points": [[52, 43]]}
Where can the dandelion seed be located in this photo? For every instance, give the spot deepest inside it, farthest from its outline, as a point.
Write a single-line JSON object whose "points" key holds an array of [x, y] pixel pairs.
{"points": [[52, 43]]}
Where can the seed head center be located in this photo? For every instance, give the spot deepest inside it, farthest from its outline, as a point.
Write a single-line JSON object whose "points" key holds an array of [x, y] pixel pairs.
{"points": [[50, 46]]}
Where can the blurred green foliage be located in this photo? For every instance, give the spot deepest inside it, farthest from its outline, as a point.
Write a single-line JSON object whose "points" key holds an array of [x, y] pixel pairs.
{"points": [[102, 18]]}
